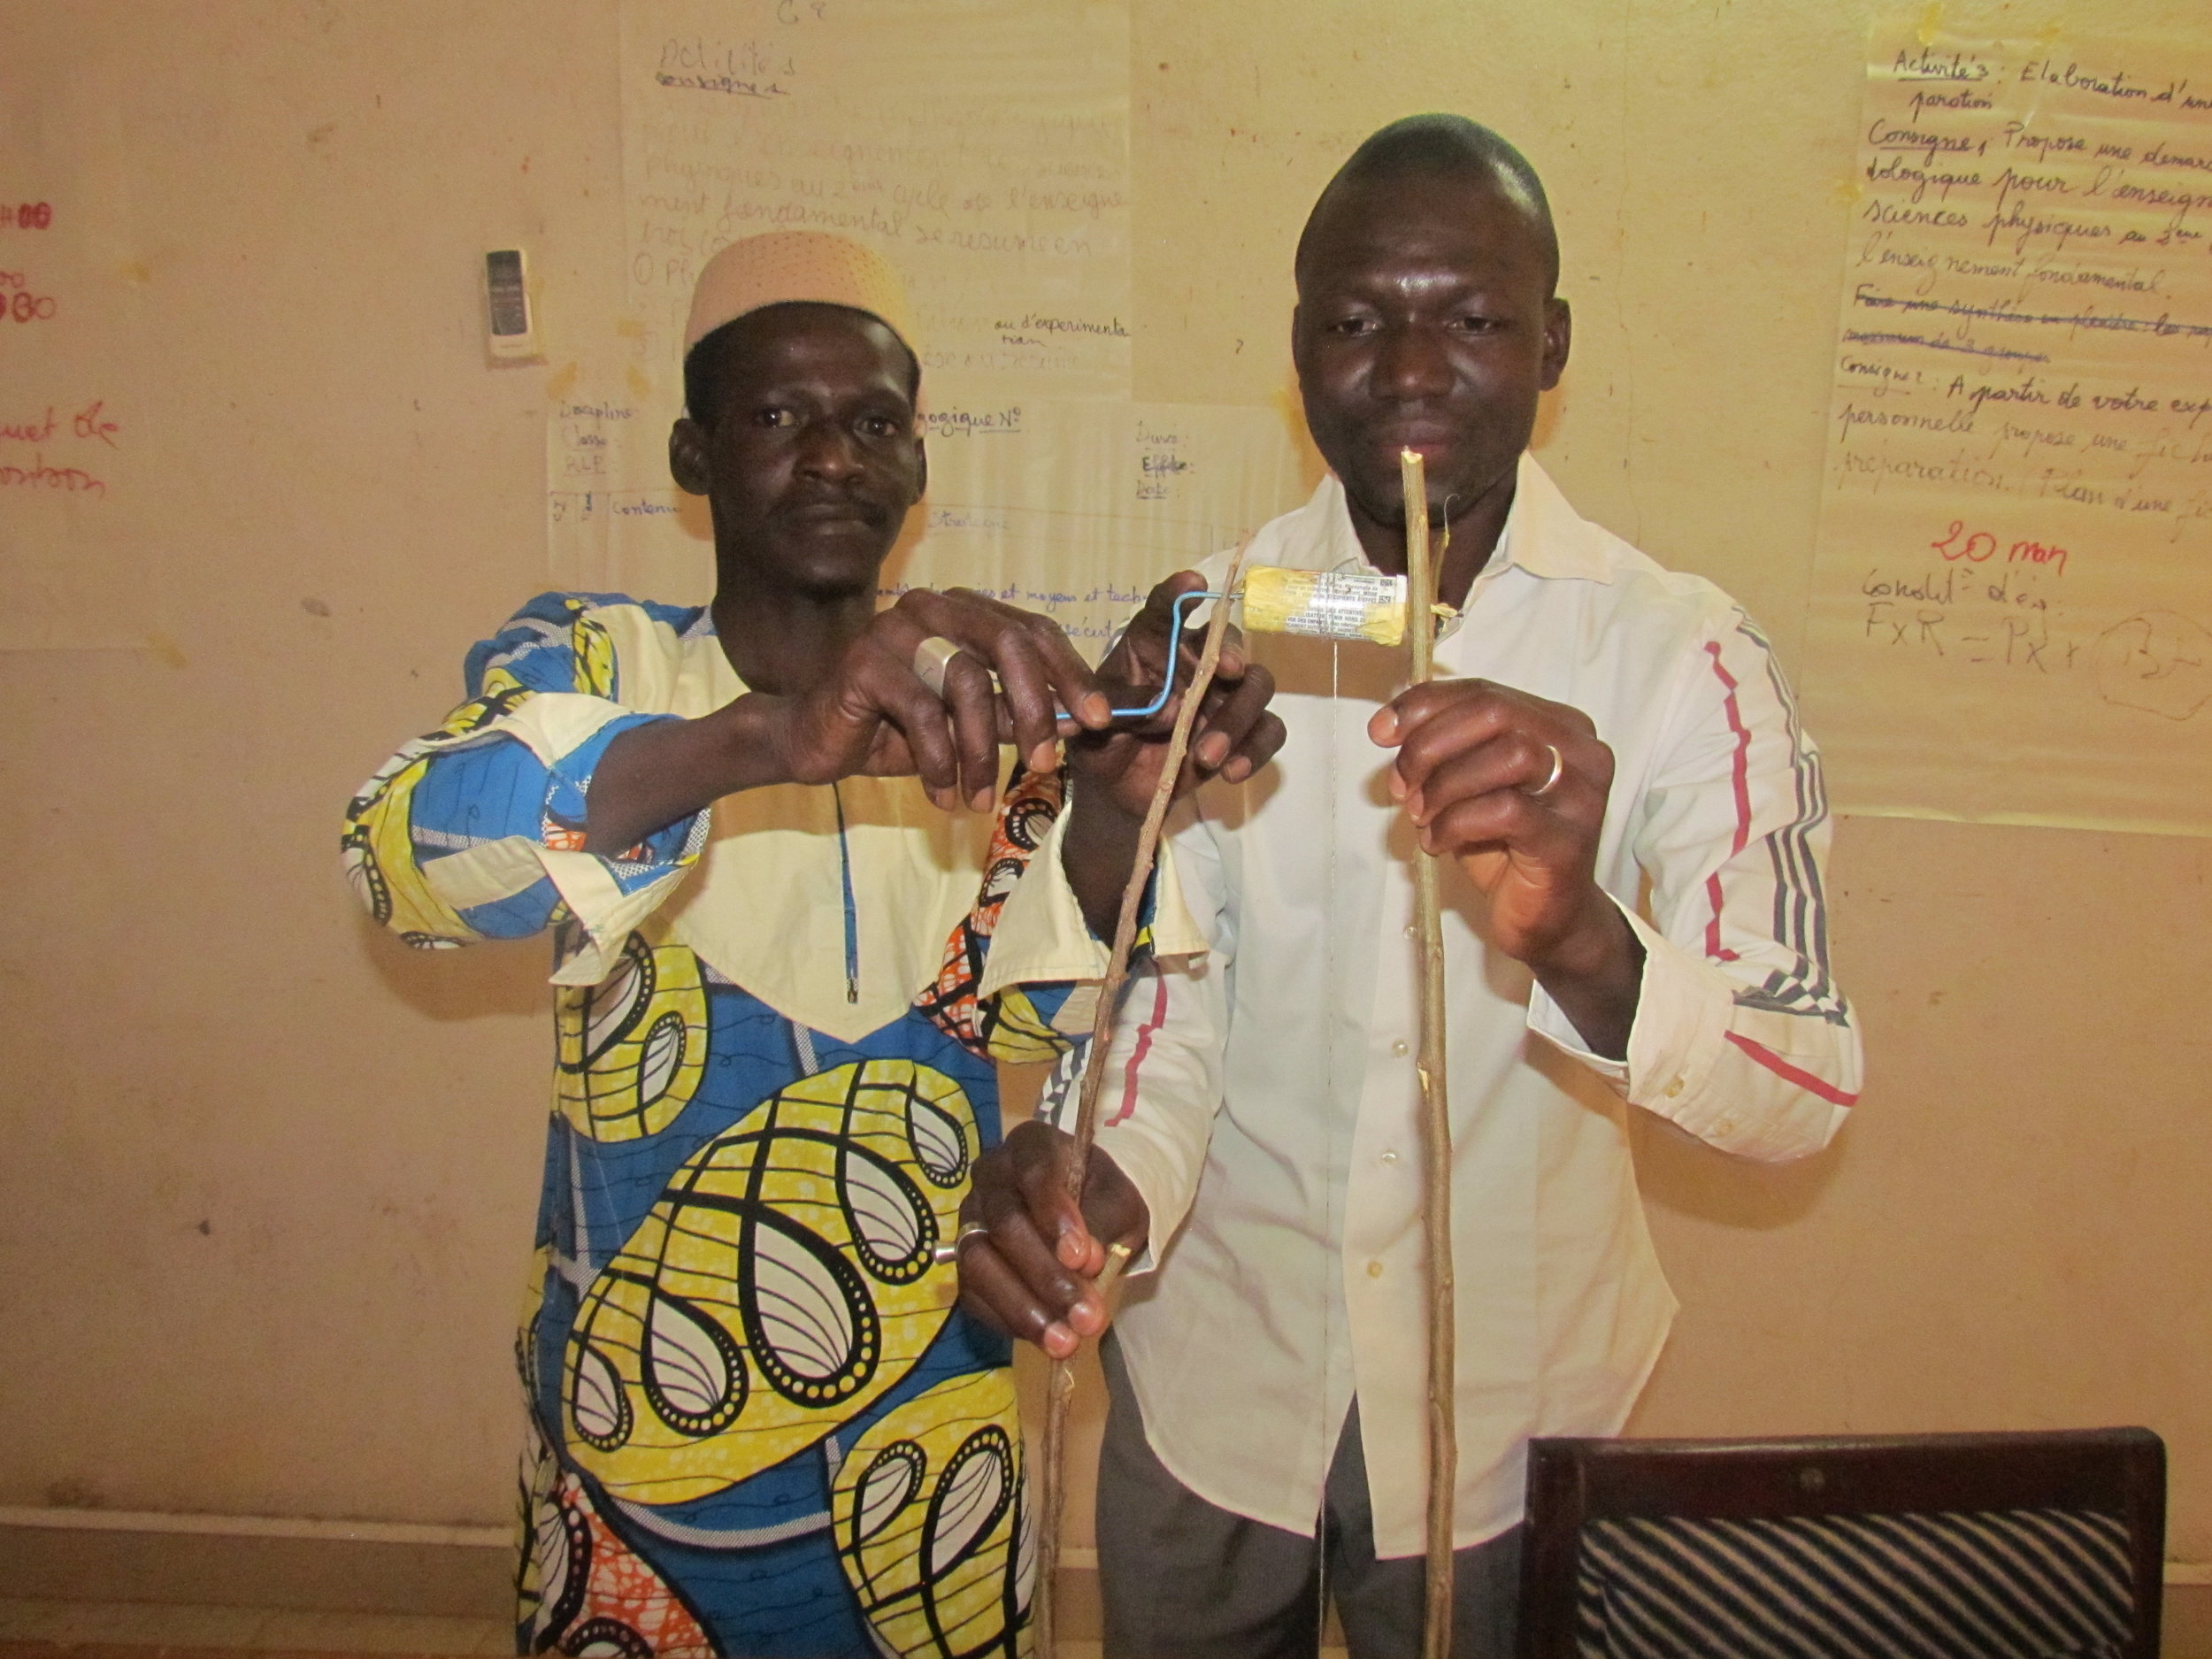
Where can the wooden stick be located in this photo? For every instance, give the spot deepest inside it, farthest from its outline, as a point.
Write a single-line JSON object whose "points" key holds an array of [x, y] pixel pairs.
{"points": [[1060, 1382], [1436, 1122]]}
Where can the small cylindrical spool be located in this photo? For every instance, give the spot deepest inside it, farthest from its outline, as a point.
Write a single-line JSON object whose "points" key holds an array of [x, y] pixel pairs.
{"points": [[1329, 604]]}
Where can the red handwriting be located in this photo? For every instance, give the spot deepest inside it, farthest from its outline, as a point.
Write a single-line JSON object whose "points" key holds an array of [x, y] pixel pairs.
{"points": [[1978, 546], [28, 431], [21, 305], [27, 215], [69, 480], [91, 423]]}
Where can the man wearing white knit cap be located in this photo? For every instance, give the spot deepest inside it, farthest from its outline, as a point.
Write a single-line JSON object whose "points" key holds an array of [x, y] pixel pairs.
{"points": [[786, 959]]}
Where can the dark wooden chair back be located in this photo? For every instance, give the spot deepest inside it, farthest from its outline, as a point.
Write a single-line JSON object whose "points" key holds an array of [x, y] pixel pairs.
{"points": [[2007, 1546]]}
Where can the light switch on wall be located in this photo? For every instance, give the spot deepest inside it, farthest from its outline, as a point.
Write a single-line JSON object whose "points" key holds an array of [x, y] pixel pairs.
{"points": [[512, 330]]}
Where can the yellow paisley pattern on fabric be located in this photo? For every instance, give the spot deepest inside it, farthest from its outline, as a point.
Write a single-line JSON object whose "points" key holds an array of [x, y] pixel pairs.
{"points": [[629, 1050], [1017, 1034], [526, 1327], [540, 1580], [594, 650], [380, 857], [501, 692], [928, 1505], [781, 1284], [379, 842]]}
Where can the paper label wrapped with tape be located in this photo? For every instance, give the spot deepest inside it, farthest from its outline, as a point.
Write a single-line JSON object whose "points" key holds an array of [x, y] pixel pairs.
{"points": [[1331, 605]]}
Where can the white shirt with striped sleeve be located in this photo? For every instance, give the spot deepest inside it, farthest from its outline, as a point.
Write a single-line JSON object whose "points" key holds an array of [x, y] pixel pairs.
{"points": [[1264, 1099]]}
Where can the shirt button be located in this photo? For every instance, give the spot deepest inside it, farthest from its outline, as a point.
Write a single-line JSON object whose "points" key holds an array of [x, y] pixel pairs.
{"points": [[1390, 1157], [1399, 1047], [1409, 930], [1374, 1269], [1724, 1126], [1674, 1088]]}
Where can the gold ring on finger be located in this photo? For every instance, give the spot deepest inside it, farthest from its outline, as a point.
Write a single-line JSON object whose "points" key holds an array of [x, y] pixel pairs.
{"points": [[1551, 781]]}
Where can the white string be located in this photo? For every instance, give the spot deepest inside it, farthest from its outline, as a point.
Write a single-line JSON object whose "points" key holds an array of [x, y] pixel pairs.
{"points": [[1328, 1077]]}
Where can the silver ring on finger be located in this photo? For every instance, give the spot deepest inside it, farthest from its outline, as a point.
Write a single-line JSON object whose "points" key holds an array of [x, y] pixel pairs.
{"points": [[931, 657], [945, 1254], [1551, 780]]}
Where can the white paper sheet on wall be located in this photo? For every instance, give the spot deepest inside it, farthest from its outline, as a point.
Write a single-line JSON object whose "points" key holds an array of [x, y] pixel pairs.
{"points": [[2011, 615], [983, 146], [1082, 507], [1073, 507]]}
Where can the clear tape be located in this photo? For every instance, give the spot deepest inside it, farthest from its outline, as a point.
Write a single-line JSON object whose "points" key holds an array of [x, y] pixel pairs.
{"points": [[1328, 604], [1322, 604]]}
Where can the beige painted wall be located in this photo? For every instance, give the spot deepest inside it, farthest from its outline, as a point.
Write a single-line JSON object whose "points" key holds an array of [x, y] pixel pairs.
{"points": [[269, 1176]]}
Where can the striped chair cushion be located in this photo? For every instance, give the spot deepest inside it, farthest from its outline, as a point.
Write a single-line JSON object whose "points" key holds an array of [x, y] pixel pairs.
{"points": [[2019, 1584]]}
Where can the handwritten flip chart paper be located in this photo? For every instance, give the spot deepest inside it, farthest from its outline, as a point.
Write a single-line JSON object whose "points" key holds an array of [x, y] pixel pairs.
{"points": [[1076, 508], [983, 149], [2011, 616], [1072, 507], [70, 574]]}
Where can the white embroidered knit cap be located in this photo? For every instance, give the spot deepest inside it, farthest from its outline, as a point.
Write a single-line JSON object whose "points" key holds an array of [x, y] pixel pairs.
{"points": [[785, 265]]}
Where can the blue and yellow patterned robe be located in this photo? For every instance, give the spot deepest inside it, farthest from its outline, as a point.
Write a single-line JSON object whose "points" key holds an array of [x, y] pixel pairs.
{"points": [[759, 1426]]}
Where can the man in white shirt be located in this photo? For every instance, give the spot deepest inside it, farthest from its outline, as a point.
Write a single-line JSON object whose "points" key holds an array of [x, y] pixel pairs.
{"points": [[1601, 724]]}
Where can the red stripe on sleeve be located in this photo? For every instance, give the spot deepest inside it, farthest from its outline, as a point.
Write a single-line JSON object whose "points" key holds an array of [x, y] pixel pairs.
{"points": [[1740, 769], [1144, 1046], [1782, 1068]]}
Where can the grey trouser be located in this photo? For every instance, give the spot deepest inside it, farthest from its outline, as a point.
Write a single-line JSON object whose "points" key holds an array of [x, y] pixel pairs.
{"points": [[1185, 1580]]}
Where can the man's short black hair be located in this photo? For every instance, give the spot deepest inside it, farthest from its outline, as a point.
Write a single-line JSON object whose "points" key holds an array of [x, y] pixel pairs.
{"points": [[1444, 145], [705, 363]]}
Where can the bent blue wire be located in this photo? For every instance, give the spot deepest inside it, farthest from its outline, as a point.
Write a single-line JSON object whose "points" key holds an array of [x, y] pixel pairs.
{"points": [[1176, 618], [852, 910]]}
